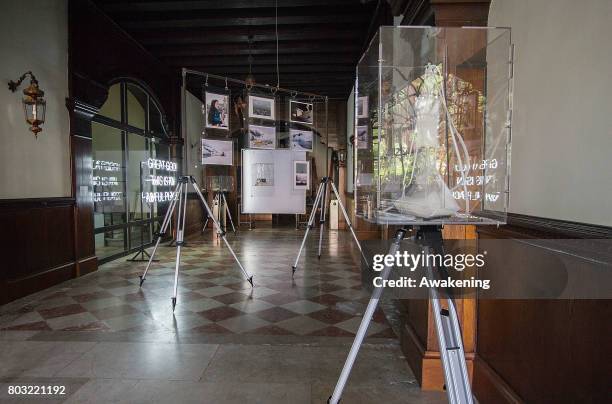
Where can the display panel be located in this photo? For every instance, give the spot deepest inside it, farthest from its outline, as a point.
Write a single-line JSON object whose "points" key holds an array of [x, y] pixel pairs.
{"points": [[433, 126], [268, 182]]}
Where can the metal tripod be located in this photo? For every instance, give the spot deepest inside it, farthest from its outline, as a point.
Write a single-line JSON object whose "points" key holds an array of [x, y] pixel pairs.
{"points": [[320, 200], [220, 199], [180, 199], [456, 378]]}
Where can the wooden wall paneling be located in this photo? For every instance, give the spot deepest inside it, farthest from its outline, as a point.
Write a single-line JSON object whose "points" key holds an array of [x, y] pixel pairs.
{"points": [[37, 245], [457, 13], [548, 351]]}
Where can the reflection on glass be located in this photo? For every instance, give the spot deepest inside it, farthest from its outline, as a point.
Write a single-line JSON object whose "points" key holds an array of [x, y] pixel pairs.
{"points": [[156, 124], [112, 106], [138, 176], [110, 242], [108, 176], [140, 234], [133, 175], [136, 106]]}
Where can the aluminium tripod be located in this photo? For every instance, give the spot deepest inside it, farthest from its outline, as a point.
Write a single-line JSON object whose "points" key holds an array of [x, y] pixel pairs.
{"points": [[320, 200], [219, 198], [456, 378], [180, 199]]}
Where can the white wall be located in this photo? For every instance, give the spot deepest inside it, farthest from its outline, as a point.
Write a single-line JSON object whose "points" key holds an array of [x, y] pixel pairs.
{"points": [[194, 125], [562, 126], [34, 36]]}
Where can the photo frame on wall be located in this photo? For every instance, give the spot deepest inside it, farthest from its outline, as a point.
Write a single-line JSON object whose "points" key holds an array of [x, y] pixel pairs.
{"points": [[261, 108], [301, 112], [362, 137], [217, 152], [217, 110], [362, 107], [262, 137], [301, 140], [263, 175], [301, 175]]}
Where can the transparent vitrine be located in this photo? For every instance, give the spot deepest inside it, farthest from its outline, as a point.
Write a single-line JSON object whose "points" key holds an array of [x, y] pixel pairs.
{"points": [[433, 122], [220, 183]]}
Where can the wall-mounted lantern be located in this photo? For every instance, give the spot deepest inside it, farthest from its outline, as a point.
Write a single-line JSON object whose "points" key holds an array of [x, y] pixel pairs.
{"points": [[342, 158], [34, 104]]}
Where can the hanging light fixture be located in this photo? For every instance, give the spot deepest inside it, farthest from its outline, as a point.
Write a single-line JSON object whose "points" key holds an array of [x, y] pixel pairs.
{"points": [[34, 105], [250, 79]]}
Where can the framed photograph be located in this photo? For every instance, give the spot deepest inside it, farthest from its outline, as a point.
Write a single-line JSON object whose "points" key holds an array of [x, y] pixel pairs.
{"points": [[301, 112], [217, 110], [262, 137], [301, 175], [261, 107], [301, 140], [362, 137], [362, 107], [263, 175], [217, 152]]}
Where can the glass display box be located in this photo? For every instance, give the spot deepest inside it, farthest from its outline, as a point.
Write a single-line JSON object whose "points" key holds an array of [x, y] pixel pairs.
{"points": [[433, 111], [220, 183]]}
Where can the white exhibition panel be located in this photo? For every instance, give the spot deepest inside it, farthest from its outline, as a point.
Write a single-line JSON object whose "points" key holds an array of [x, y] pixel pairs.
{"points": [[279, 197]]}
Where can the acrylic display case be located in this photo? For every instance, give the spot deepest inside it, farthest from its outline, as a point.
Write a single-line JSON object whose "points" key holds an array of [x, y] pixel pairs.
{"points": [[220, 183], [433, 126]]}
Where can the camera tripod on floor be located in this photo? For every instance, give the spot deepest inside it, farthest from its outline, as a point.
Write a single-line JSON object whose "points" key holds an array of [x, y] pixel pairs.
{"points": [[320, 202], [456, 378], [219, 199], [180, 199]]}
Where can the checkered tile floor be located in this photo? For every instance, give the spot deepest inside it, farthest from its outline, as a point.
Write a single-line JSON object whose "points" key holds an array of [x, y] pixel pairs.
{"points": [[325, 298]]}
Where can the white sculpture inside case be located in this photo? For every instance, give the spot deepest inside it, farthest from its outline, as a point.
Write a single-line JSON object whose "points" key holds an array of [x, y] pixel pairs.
{"points": [[435, 107]]}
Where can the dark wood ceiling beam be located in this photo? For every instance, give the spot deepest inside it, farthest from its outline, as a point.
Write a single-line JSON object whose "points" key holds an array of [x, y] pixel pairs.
{"points": [[139, 6], [215, 21], [270, 69], [267, 48], [309, 59], [241, 34]]}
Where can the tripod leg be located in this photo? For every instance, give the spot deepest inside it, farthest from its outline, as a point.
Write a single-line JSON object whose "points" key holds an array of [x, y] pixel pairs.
{"points": [[458, 388], [229, 214], [322, 216], [162, 230], [348, 221], [365, 322], [313, 214], [248, 277], [180, 221]]}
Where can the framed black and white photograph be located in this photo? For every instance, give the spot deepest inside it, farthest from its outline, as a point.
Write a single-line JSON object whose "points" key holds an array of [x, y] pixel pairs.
{"points": [[301, 140], [362, 137], [263, 175], [362, 107], [301, 112], [301, 175], [262, 137], [261, 107], [217, 152], [217, 110]]}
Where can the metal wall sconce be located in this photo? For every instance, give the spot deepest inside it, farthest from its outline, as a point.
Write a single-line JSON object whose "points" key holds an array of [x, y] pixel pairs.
{"points": [[342, 158], [34, 105]]}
